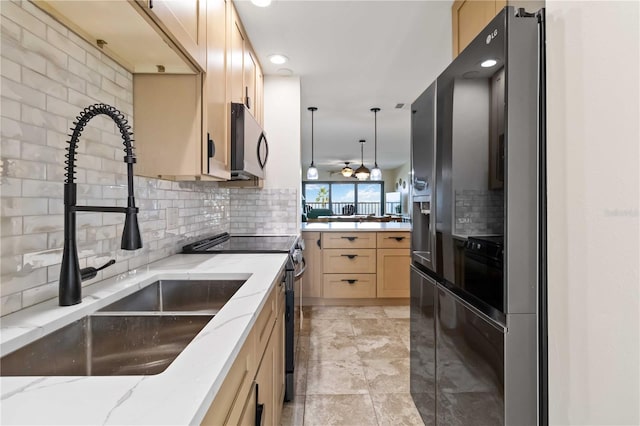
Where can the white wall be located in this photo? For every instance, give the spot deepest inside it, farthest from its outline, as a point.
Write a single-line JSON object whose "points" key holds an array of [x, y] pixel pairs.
{"points": [[593, 139], [282, 126]]}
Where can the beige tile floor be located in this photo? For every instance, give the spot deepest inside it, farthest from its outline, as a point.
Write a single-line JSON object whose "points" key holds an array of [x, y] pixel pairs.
{"points": [[352, 368]]}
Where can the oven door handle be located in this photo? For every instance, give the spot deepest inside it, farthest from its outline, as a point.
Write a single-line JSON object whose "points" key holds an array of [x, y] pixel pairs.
{"points": [[304, 268]]}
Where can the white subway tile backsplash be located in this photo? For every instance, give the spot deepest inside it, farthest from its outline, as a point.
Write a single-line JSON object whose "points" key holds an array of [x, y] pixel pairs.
{"points": [[23, 94], [84, 72], [23, 169], [11, 69], [44, 154], [40, 46], [10, 29], [10, 226], [23, 18], [23, 244], [10, 207], [10, 108], [62, 41], [10, 187], [43, 223], [96, 65], [43, 84], [25, 58], [11, 303]]}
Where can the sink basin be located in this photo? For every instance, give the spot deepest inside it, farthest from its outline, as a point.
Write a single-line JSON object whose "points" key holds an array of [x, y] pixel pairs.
{"points": [[205, 296], [107, 345]]}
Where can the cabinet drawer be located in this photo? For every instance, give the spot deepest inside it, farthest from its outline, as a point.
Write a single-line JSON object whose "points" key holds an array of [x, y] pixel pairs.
{"points": [[265, 321], [394, 240], [340, 240], [349, 286], [345, 261]]}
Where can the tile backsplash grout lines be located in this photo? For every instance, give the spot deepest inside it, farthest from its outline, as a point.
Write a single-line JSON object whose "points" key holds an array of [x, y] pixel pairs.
{"points": [[49, 75]]}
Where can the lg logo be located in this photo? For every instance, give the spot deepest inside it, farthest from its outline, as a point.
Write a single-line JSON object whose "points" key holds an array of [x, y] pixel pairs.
{"points": [[491, 36]]}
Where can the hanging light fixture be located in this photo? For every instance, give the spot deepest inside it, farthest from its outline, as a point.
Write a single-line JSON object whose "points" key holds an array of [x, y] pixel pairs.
{"points": [[347, 171], [362, 173], [312, 172], [376, 173]]}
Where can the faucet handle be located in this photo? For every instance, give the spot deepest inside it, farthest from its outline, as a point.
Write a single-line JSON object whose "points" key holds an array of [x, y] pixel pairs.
{"points": [[91, 272]]}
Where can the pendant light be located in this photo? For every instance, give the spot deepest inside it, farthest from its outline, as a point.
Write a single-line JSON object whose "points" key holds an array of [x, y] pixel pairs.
{"points": [[347, 171], [312, 172], [362, 173], [376, 173]]}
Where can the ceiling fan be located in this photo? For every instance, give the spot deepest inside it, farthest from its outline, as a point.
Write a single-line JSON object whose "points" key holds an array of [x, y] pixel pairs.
{"points": [[346, 171]]}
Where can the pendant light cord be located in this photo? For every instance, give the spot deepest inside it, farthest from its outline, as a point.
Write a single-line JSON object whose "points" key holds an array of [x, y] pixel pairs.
{"points": [[375, 136], [312, 109]]}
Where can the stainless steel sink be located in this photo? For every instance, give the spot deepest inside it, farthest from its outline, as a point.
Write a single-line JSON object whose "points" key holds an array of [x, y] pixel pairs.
{"points": [[107, 345], [206, 296]]}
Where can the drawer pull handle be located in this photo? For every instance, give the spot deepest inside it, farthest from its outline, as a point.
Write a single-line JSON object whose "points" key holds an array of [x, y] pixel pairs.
{"points": [[350, 256], [349, 281], [352, 239], [398, 239]]}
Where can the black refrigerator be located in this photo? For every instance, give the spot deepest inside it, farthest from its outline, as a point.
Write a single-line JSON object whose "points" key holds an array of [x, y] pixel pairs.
{"points": [[477, 273]]}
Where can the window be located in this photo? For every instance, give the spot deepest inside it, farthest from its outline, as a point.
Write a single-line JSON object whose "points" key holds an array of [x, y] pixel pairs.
{"points": [[344, 198]]}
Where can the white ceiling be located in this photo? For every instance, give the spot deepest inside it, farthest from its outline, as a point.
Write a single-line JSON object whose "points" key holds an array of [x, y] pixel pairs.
{"points": [[352, 56]]}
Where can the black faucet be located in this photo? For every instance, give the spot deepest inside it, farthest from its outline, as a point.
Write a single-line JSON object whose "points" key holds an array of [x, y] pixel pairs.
{"points": [[70, 274]]}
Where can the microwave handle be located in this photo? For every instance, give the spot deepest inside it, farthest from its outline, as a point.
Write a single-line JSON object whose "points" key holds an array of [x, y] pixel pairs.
{"points": [[266, 155]]}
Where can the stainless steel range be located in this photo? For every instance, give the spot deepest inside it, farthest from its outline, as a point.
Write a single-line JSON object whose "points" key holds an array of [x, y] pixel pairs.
{"points": [[294, 268]]}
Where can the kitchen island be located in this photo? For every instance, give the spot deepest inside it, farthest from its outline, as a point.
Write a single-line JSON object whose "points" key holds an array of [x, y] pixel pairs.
{"points": [[356, 263], [183, 393]]}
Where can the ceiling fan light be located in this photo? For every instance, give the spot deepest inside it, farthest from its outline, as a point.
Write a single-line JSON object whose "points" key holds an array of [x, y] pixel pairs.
{"points": [[347, 171], [312, 173], [376, 173]]}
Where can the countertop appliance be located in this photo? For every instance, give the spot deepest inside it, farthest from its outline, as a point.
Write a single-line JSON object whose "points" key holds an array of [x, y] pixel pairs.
{"points": [[478, 211], [294, 269], [249, 146]]}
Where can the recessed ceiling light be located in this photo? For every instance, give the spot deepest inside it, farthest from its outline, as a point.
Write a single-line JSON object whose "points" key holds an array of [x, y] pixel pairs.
{"points": [[261, 3], [488, 63], [278, 59]]}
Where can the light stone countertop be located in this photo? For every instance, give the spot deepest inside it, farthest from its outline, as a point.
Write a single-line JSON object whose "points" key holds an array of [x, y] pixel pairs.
{"points": [[355, 226], [179, 395]]}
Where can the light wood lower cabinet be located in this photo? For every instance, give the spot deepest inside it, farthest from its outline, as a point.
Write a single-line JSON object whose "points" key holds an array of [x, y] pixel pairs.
{"points": [[349, 286], [393, 272], [356, 265], [312, 278], [256, 378]]}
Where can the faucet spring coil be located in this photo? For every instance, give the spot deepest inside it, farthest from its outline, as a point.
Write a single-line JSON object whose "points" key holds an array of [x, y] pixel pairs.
{"points": [[81, 121]]}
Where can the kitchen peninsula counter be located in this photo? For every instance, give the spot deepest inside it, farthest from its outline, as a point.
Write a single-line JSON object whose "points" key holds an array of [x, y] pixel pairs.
{"points": [[355, 226], [183, 392]]}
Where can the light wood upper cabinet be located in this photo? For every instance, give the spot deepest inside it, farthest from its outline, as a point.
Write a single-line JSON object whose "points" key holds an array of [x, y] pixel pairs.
{"points": [[216, 107], [185, 21], [469, 17], [245, 82]]}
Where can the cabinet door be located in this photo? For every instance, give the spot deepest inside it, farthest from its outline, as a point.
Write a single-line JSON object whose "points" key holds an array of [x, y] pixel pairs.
{"points": [[235, 57], [259, 102], [216, 124], [278, 366], [248, 416], [168, 148], [393, 272], [250, 81], [469, 17], [312, 284], [422, 378], [264, 383], [185, 22], [470, 360]]}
